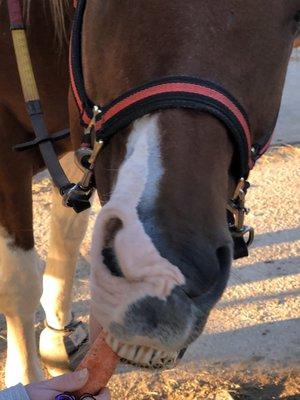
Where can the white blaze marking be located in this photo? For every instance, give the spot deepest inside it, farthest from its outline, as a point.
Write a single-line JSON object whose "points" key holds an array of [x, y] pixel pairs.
{"points": [[146, 272], [143, 152]]}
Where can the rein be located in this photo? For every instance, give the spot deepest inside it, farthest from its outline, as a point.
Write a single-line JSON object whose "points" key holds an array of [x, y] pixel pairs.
{"points": [[32, 100], [101, 122]]}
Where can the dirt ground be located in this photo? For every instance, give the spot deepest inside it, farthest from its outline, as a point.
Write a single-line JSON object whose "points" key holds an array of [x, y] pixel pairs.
{"points": [[250, 347]]}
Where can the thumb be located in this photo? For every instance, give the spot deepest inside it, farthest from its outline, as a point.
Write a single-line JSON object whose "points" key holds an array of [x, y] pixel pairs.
{"points": [[69, 382]]}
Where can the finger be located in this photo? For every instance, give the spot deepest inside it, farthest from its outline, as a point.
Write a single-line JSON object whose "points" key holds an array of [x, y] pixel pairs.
{"points": [[103, 395], [69, 382]]}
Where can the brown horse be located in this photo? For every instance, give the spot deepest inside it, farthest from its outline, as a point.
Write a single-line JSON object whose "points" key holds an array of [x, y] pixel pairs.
{"points": [[162, 249]]}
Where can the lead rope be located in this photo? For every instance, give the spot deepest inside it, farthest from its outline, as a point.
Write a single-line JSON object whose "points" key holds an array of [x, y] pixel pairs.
{"points": [[34, 108]]}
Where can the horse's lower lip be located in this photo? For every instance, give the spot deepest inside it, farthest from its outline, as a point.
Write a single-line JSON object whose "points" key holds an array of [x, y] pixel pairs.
{"points": [[143, 356]]}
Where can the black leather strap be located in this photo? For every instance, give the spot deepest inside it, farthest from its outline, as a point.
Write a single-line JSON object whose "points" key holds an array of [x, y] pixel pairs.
{"points": [[64, 134], [44, 142]]}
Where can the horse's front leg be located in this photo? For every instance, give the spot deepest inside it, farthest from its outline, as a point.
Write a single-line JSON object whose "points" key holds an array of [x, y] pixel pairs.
{"points": [[20, 269], [62, 336], [21, 274]]}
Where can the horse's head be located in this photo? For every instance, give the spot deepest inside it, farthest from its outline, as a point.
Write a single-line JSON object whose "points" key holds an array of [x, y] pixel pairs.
{"points": [[162, 249]]}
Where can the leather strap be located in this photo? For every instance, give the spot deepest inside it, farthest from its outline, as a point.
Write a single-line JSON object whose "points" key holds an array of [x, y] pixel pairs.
{"points": [[31, 97]]}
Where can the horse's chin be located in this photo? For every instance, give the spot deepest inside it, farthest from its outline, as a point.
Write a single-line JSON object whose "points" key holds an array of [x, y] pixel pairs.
{"points": [[143, 356]]}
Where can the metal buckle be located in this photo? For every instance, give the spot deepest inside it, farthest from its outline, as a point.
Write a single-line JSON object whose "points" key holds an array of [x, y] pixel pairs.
{"points": [[236, 206], [78, 196], [97, 144], [96, 111], [246, 230]]}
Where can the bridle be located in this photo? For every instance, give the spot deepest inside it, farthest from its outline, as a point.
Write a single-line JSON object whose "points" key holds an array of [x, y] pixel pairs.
{"points": [[101, 122], [168, 92]]}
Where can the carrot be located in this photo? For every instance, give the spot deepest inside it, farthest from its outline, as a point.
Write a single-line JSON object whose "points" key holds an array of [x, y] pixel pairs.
{"points": [[101, 362]]}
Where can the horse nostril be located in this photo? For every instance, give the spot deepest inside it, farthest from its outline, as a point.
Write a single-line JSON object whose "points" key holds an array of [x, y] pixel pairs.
{"points": [[207, 272], [110, 259], [111, 228]]}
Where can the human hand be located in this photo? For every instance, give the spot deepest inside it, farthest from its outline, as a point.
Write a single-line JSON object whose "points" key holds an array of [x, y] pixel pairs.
{"points": [[47, 390]]}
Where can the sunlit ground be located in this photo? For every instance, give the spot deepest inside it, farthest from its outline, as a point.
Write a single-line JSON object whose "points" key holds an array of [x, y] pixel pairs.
{"points": [[250, 348]]}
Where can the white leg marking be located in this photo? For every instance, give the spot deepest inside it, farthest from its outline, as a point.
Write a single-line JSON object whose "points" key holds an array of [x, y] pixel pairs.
{"points": [[20, 291], [146, 272], [67, 232]]}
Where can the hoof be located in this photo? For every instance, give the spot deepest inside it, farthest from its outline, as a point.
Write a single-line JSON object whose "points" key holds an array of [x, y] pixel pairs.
{"points": [[62, 350]]}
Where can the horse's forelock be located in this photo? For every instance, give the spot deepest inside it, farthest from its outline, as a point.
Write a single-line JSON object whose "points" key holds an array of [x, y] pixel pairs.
{"points": [[58, 10]]}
